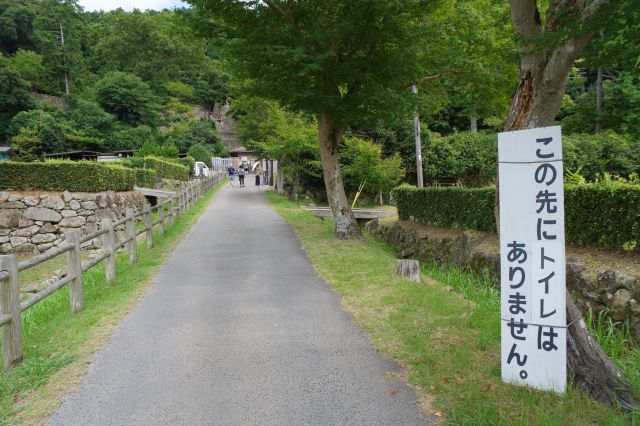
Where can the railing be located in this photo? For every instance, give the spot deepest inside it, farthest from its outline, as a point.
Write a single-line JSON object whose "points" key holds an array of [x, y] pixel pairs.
{"points": [[10, 305]]}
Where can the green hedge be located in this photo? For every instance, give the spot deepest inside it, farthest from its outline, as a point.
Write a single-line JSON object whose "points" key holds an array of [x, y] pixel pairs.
{"points": [[188, 162], [604, 215], [145, 178], [164, 168], [85, 176]]}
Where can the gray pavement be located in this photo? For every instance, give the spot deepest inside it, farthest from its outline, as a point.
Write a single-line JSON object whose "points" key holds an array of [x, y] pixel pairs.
{"points": [[240, 330]]}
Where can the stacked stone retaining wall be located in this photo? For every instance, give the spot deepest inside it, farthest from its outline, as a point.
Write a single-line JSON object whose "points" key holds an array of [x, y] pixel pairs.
{"points": [[31, 223]]}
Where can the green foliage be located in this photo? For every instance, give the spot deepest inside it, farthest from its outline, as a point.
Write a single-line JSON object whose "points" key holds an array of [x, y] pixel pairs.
{"points": [[85, 176], [35, 133], [200, 152], [132, 137], [157, 150], [162, 166], [212, 86], [189, 162], [186, 134], [602, 214], [30, 67], [605, 152], [127, 97], [145, 178], [15, 95], [469, 157], [362, 162], [179, 90]]}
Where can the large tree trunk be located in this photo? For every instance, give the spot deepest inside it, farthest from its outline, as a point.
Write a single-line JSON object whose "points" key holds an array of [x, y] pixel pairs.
{"points": [[345, 225], [295, 182], [535, 102]]}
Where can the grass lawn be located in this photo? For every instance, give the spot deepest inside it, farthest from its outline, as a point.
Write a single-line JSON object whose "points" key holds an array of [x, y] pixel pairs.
{"points": [[445, 331], [58, 345]]}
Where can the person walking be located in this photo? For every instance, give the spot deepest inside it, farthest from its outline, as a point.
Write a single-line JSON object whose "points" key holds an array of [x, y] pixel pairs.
{"points": [[232, 173], [241, 174]]}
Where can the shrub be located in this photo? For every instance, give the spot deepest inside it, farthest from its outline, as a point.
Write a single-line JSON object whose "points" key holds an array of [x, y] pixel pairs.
{"points": [[85, 176], [189, 162], [599, 214], [145, 178], [200, 152], [162, 167]]}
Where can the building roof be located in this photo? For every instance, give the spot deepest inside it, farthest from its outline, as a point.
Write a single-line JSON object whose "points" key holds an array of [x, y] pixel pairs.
{"points": [[5, 149], [239, 149]]}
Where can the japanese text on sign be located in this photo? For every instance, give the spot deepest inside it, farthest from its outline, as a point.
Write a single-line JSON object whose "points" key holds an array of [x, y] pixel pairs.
{"points": [[532, 255]]}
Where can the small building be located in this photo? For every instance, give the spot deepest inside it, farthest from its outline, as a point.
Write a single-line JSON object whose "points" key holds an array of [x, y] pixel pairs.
{"points": [[5, 153], [240, 155], [90, 155]]}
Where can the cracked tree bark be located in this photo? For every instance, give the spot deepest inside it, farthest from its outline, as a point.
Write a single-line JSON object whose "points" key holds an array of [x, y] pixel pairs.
{"points": [[345, 225], [534, 103]]}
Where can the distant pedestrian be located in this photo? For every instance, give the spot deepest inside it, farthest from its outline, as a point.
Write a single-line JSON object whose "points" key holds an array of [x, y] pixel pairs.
{"points": [[241, 174], [232, 173]]}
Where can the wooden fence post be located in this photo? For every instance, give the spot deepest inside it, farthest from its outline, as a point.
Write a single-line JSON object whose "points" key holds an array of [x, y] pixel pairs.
{"points": [[74, 268], [161, 215], [109, 246], [132, 245], [10, 305], [148, 226]]}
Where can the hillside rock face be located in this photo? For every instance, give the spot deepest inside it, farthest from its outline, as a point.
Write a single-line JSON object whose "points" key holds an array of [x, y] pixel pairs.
{"points": [[605, 292], [32, 224]]}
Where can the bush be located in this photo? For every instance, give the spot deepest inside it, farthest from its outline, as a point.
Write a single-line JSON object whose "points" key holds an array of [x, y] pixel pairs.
{"points": [[599, 214], [189, 162], [145, 178], [85, 176], [200, 152], [162, 167]]}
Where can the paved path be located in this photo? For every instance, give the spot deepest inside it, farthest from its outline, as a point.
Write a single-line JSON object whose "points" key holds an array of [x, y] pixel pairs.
{"points": [[240, 330]]}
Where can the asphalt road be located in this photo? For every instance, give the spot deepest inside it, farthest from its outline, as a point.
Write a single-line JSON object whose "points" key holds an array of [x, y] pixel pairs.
{"points": [[240, 330]]}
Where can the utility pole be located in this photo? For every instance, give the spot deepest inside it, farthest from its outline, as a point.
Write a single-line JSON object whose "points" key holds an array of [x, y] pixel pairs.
{"points": [[416, 129], [64, 53]]}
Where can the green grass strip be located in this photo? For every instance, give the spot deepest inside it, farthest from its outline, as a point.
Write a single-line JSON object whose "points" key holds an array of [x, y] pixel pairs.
{"points": [[54, 338], [445, 331]]}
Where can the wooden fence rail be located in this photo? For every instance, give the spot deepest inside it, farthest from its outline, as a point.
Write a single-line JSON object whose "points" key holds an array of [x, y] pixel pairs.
{"points": [[168, 208]]}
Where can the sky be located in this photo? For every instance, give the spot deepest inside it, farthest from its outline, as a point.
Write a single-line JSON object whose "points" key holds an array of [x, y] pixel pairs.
{"points": [[91, 5]]}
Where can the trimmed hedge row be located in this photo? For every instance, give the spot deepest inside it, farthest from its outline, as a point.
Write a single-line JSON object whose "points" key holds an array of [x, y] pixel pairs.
{"points": [[145, 178], [595, 214], [163, 168], [80, 176]]}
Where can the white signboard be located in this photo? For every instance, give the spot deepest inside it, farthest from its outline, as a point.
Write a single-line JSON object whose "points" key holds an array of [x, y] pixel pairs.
{"points": [[532, 258]]}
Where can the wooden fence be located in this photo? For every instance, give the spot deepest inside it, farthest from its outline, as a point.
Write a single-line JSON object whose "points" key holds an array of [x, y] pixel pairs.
{"points": [[10, 305]]}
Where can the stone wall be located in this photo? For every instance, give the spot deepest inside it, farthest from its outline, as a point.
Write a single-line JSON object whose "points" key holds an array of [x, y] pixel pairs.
{"points": [[596, 290], [31, 223]]}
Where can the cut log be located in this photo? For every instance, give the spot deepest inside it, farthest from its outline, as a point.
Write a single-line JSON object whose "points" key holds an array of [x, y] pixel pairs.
{"points": [[408, 268], [590, 368]]}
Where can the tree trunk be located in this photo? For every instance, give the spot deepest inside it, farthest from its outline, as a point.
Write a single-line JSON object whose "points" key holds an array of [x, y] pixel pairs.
{"points": [[295, 182], [473, 124], [381, 199], [599, 101], [535, 102], [345, 225]]}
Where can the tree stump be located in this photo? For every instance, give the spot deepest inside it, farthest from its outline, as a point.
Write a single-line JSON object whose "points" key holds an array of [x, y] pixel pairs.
{"points": [[408, 268]]}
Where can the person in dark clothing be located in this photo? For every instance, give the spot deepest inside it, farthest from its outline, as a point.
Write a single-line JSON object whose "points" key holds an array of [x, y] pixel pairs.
{"points": [[232, 173], [241, 173]]}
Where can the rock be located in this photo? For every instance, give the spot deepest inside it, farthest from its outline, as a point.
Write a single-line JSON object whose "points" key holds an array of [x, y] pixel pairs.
{"points": [[26, 248], [74, 205], [91, 219], [86, 213], [13, 198], [39, 222], [575, 280], [58, 241], [89, 205], [4, 196], [10, 218], [635, 329], [43, 214], [4, 232], [43, 238], [90, 228], [48, 228], [68, 213], [66, 196], [27, 232], [18, 241], [31, 201], [73, 222], [24, 223], [6, 248], [44, 247], [102, 201], [4, 240], [52, 202], [12, 205], [620, 303]]}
